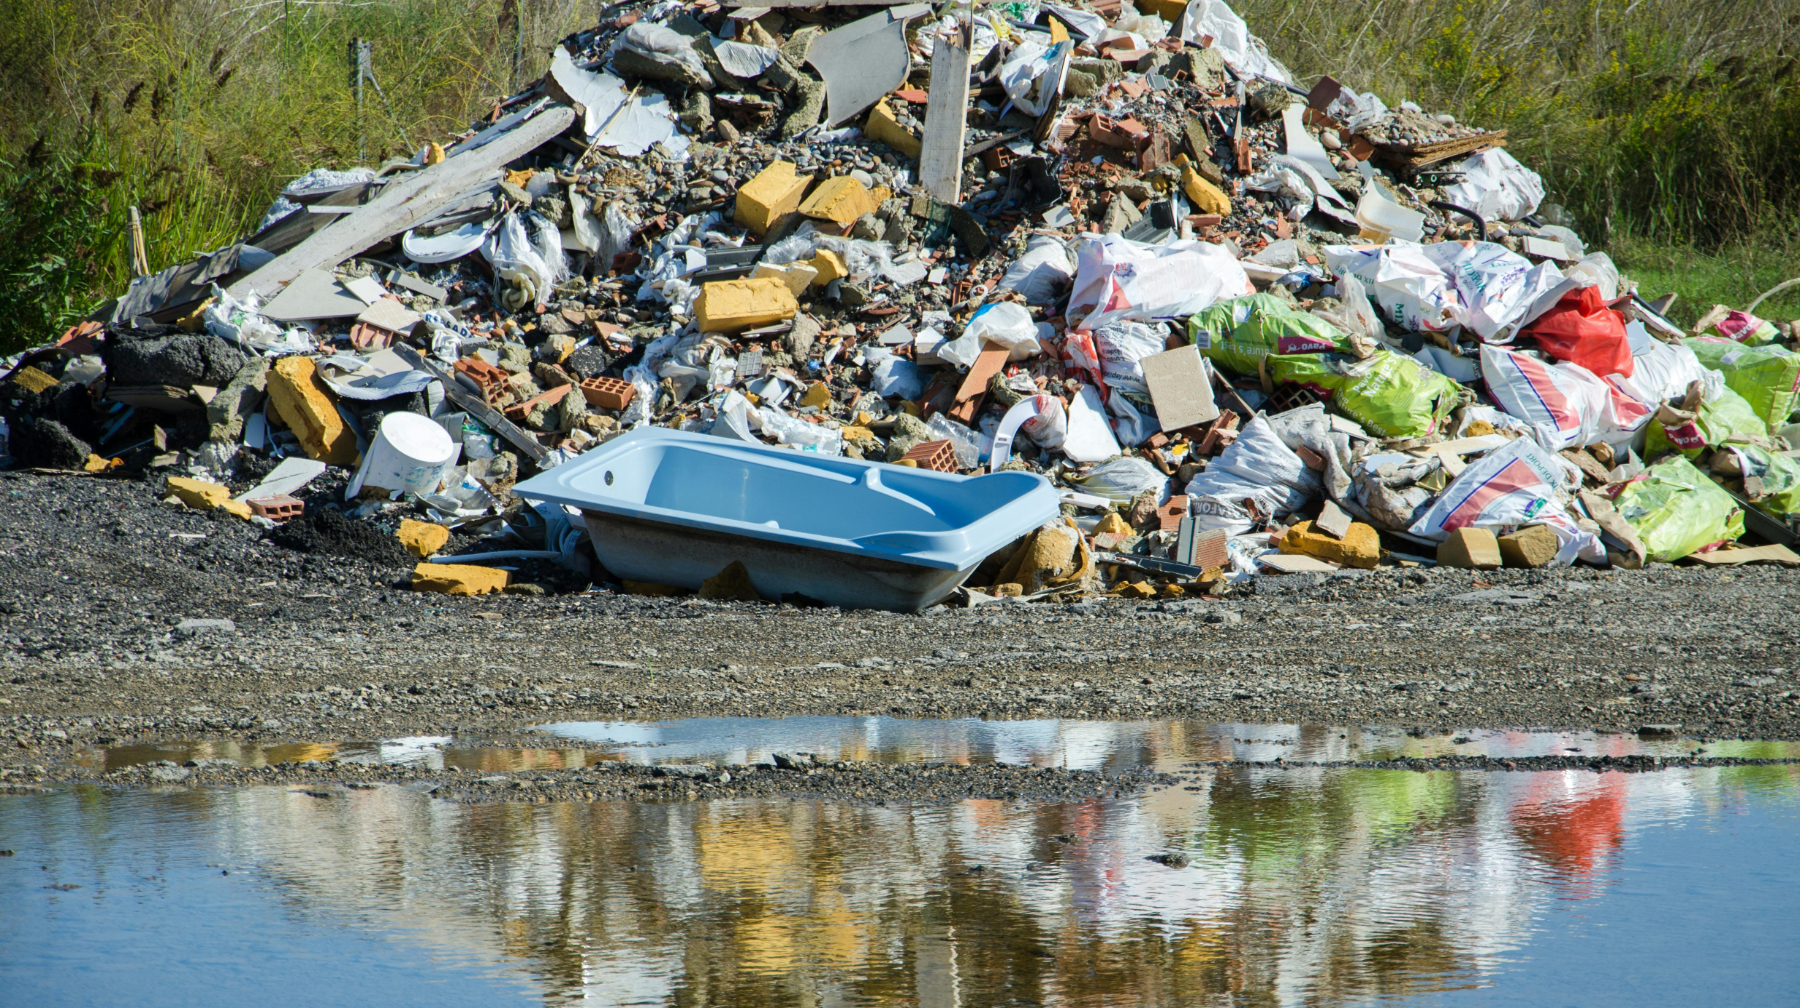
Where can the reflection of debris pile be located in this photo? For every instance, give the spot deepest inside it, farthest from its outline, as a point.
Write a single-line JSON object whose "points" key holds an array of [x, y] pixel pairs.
{"points": [[1243, 326]]}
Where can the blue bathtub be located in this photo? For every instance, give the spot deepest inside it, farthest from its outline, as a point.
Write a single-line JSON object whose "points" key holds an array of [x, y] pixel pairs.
{"points": [[675, 508]]}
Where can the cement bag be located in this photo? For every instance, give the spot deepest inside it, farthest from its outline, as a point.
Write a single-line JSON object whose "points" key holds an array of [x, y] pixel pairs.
{"points": [[1259, 468], [1117, 279], [1766, 376], [1515, 484], [1676, 509], [1582, 330], [1409, 287], [1237, 334], [1771, 481], [1743, 327], [1120, 480], [1565, 405], [1663, 371], [1041, 273], [1390, 394], [1494, 285], [1121, 346], [1729, 417], [1496, 186]]}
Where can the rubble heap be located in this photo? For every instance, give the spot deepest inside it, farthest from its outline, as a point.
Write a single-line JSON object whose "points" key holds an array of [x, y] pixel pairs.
{"points": [[1246, 327]]}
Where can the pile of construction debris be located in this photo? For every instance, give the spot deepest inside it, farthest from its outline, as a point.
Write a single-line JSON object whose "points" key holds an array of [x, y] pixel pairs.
{"points": [[1246, 326]]}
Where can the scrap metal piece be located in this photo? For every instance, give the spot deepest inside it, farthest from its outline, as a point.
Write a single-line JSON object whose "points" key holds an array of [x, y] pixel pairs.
{"points": [[863, 60]]}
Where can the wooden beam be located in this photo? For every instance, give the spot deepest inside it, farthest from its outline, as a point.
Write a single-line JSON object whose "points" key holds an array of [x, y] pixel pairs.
{"points": [[946, 116], [405, 202]]}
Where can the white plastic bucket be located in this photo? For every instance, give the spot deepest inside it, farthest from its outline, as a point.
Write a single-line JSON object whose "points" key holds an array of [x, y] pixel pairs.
{"points": [[411, 453]]}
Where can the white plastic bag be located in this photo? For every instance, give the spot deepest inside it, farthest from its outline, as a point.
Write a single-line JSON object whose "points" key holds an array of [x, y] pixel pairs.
{"points": [[1231, 36], [1007, 324], [1496, 186], [518, 261], [894, 377], [1117, 279], [1515, 484], [1120, 480], [1041, 272]]}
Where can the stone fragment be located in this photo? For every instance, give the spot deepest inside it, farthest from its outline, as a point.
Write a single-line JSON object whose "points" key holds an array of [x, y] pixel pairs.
{"points": [[1531, 546], [731, 306], [422, 539], [775, 191], [1470, 548], [458, 579], [302, 403]]}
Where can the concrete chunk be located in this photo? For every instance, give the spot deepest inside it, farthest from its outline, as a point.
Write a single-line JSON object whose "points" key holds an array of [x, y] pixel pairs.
{"points": [[1360, 546], [1531, 546], [300, 400], [422, 539], [730, 306], [774, 192], [458, 579], [1470, 548], [840, 200]]}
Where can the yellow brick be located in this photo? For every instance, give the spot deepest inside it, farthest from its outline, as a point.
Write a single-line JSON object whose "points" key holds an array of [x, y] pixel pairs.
{"points": [[239, 508], [422, 539], [775, 191], [1360, 547], [729, 306], [302, 403], [1470, 548], [1206, 197], [840, 200], [1138, 590], [458, 579], [435, 153], [829, 266], [797, 275], [198, 493], [817, 394], [883, 127], [33, 380]]}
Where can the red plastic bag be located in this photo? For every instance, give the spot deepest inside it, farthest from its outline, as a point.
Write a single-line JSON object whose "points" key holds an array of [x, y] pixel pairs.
{"points": [[1581, 329]]}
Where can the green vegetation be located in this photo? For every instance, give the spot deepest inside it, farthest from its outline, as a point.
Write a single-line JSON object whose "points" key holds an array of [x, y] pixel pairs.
{"points": [[1666, 126]]}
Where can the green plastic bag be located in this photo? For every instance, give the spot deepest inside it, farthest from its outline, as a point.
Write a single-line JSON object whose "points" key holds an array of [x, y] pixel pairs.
{"points": [[1719, 420], [1779, 476], [1237, 334], [1676, 509], [1389, 394], [1768, 377]]}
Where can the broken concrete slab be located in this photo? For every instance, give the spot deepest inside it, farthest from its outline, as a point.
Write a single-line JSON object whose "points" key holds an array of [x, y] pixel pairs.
{"points": [[1180, 387]]}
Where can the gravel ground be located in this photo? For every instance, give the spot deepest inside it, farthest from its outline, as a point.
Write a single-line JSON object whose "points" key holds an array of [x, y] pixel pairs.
{"points": [[96, 575]]}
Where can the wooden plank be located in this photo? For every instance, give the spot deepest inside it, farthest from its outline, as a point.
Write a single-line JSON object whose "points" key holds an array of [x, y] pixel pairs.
{"points": [[405, 202], [474, 404], [946, 116], [990, 362]]}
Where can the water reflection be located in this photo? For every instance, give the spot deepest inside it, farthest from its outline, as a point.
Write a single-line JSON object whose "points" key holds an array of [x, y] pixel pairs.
{"points": [[1306, 887], [1071, 743]]}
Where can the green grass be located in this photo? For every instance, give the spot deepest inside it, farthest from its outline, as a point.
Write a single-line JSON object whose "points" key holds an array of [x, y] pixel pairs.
{"points": [[1731, 275]]}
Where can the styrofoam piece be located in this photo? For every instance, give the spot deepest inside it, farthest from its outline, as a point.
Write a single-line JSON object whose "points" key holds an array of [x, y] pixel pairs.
{"points": [[674, 507]]}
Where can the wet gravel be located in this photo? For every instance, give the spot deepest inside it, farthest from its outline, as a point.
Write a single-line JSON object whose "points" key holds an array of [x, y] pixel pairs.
{"points": [[97, 577]]}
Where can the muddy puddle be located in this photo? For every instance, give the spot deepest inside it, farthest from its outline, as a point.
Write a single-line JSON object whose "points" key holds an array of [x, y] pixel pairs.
{"points": [[1069, 743], [1275, 886]]}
